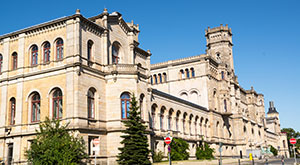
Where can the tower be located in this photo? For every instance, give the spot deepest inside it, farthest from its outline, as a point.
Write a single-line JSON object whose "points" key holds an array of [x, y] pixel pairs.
{"points": [[273, 122], [219, 45]]}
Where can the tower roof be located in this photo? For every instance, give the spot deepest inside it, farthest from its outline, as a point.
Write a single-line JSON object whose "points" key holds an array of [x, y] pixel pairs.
{"points": [[272, 109]]}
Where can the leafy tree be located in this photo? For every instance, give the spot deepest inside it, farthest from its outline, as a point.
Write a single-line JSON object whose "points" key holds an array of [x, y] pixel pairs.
{"points": [[204, 152], [179, 149], [274, 150], [291, 133], [135, 142], [54, 144]]}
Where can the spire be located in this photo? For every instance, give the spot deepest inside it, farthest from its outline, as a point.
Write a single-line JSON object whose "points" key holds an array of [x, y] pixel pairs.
{"points": [[272, 109]]}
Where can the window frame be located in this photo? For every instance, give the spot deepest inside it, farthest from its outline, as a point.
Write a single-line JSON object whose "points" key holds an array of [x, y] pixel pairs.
{"points": [[164, 77], [90, 45], [161, 120], [46, 52], [34, 55], [187, 73], [126, 105], [14, 61], [115, 57], [91, 104], [56, 109], [12, 107], [59, 49], [38, 110], [192, 72]]}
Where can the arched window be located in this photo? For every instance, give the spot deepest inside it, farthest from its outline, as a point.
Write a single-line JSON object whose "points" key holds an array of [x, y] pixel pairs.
{"points": [[59, 49], [12, 111], [162, 118], [183, 122], [57, 104], [125, 104], [187, 73], [35, 108], [182, 74], [177, 120], [34, 55], [190, 124], [115, 53], [155, 79], [165, 77], [184, 96], [192, 72], [141, 104], [89, 51], [225, 106], [222, 75], [14, 61], [170, 119], [46, 50], [91, 103], [217, 128], [153, 108], [160, 78], [1, 61]]}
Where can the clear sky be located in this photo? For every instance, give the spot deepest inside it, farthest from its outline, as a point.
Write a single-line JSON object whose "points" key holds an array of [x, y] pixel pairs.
{"points": [[266, 36]]}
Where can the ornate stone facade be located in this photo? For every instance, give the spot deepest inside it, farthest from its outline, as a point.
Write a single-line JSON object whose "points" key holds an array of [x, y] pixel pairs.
{"points": [[81, 69]]}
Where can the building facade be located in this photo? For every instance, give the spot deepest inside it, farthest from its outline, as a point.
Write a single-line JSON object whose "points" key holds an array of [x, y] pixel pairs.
{"points": [[82, 70]]}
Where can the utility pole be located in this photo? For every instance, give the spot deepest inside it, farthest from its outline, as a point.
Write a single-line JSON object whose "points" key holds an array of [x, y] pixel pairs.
{"points": [[295, 154]]}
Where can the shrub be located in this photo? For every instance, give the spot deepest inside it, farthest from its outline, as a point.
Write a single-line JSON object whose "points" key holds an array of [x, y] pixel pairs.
{"points": [[158, 156], [273, 150], [179, 149], [204, 152]]}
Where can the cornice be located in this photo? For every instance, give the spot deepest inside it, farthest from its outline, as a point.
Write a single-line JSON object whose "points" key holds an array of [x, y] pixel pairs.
{"points": [[177, 62], [91, 26], [39, 27], [142, 53]]}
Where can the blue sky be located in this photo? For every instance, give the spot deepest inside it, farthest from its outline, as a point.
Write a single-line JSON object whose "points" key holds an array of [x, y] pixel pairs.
{"points": [[266, 36]]}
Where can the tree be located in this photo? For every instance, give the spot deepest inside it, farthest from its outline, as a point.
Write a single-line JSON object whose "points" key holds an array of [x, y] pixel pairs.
{"points": [[54, 144], [274, 150], [135, 142], [291, 133], [179, 149], [204, 152]]}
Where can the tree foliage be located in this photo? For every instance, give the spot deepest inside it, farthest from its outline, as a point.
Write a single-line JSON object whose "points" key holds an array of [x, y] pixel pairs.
{"points": [[204, 152], [179, 149], [54, 144], [135, 142], [274, 150], [291, 133]]}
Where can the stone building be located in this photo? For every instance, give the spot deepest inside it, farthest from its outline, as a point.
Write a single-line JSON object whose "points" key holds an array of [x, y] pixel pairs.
{"points": [[82, 70]]}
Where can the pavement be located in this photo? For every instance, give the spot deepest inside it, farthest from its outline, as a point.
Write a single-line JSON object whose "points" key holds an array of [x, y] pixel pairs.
{"points": [[232, 161]]}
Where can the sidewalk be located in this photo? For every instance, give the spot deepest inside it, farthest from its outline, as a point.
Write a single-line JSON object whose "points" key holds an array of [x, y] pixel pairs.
{"points": [[205, 162]]}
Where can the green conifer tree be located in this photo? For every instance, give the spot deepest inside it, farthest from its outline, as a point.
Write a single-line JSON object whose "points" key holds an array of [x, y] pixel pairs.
{"points": [[135, 142]]}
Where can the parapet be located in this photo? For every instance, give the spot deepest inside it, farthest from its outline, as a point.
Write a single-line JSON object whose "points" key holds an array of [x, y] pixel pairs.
{"points": [[218, 29]]}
